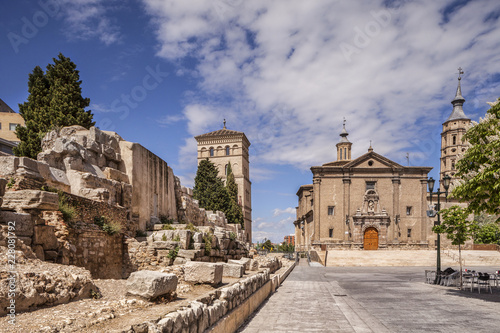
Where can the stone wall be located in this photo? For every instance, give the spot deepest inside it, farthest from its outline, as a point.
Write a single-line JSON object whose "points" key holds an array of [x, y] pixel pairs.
{"points": [[100, 253], [153, 184]]}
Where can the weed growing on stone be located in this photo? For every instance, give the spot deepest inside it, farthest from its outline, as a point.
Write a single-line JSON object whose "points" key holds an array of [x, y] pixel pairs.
{"points": [[232, 236], [172, 254], [11, 182], [111, 227], [207, 239], [166, 220], [176, 238], [95, 294], [164, 238], [191, 227], [167, 227]]}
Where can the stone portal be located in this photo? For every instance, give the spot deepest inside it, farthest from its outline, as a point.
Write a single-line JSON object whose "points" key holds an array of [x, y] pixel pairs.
{"points": [[371, 239], [370, 223]]}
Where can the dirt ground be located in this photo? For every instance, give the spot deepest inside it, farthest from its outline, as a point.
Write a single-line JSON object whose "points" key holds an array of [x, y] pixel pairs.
{"points": [[113, 312]]}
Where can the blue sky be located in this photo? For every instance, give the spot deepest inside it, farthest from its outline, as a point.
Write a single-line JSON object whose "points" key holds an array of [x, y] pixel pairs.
{"points": [[284, 72]]}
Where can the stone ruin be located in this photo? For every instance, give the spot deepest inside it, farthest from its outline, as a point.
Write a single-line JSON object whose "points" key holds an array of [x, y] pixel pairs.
{"points": [[105, 178]]}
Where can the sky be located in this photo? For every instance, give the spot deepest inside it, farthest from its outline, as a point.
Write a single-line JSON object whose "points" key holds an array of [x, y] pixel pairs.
{"points": [[286, 73]]}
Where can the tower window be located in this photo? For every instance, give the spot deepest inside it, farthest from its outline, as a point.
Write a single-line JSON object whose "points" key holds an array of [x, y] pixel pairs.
{"points": [[227, 150], [211, 152], [330, 233], [370, 185], [12, 126], [341, 153], [331, 210], [454, 139], [409, 233], [225, 172], [452, 165], [345, 153], [408, 210]]}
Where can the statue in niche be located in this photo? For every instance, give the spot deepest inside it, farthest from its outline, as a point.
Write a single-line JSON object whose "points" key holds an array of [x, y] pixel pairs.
{"points": [[371, 206]]}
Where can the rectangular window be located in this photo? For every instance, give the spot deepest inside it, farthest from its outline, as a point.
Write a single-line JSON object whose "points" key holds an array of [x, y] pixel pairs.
{"points": [[370, 185], [408, 210], [331, 210], [409, 233], [330, 233], [12, 126], [0, 126]]}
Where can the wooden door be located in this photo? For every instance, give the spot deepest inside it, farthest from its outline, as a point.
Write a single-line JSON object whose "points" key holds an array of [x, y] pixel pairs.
{"points": [[371, 239]]}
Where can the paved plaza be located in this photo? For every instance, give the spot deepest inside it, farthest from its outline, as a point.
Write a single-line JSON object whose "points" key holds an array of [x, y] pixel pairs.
{"points": [[373, 299]]}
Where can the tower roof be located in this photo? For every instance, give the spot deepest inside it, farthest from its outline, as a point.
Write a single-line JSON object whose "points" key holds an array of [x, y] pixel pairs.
{"points": [[344, 134], [458, 101]]}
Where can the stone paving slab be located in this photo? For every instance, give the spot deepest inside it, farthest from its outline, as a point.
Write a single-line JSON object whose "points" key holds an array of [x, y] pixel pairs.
{"points": [[373, 299]]}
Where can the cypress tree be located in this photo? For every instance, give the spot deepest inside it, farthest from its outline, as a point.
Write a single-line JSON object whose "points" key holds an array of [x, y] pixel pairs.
{"points": [[55, 100], [234, 213], [209, 189]]}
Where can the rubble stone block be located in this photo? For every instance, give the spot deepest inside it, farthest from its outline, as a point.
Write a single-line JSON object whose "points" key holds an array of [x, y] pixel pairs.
{"points": [[233, 270], [45, 235], [179, 261], [31, 199], [24, 223], [164, 245], [188, 254], [50, 255], [38, 249], [200, 272], [151, 284]]}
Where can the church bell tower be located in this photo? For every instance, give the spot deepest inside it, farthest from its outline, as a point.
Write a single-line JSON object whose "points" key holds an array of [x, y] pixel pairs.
{"points": [[454, 129], [344, 146]]}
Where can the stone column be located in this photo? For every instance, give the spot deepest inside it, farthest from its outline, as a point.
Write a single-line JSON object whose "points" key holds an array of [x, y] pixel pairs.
{"points": [[346, 207], [316, 208], [423, 211], [396, 209]]}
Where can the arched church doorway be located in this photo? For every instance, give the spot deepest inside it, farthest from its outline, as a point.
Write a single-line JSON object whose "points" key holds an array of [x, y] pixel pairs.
{"points": [[371, 239]]}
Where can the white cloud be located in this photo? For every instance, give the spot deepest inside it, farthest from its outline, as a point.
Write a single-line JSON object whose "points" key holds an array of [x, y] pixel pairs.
{"points": [[289, 210], [88, 19], [170, 119], [287, 80]]}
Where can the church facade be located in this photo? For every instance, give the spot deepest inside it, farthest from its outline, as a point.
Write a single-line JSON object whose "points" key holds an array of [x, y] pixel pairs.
{"points": [[371, 202]]}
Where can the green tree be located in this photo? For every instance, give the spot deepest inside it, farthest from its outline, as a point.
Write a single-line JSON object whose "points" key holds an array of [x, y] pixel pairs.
{"points": [[487, 234], [457, 228], [267, 245], [479, 168], [55, 100], [234, 213], [209, 189]]}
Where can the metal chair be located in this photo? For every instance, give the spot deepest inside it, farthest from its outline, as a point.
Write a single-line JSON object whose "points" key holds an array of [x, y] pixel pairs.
{"points": [[483, 280]]}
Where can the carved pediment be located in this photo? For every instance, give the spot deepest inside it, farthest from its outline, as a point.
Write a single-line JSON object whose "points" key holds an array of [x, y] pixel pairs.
{"points": [[373, 160]]}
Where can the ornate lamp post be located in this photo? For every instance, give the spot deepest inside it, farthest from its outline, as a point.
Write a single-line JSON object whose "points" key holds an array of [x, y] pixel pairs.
{"points": [[435, 211]]}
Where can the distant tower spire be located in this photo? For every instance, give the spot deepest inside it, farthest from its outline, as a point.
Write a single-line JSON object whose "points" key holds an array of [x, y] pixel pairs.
{"points": [[344, 146], [454, 129], [224, 124], [370, 149], [458, 101]]}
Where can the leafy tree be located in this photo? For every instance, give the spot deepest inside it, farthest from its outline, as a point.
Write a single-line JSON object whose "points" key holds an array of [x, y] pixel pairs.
{"points": [[267, 245], [487, 234], [234, 213], [479, 168], [457, 229], [209, 189], [55, 100]]}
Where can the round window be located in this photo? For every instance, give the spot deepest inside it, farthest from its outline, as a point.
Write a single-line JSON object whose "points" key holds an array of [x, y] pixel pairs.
{"points": [[370, 163]]}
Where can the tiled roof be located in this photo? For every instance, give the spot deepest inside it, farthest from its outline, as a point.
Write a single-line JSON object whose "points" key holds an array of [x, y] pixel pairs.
{"points": [[221, 132]]}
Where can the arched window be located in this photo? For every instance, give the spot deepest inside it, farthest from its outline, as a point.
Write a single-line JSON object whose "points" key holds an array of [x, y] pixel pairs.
{"points": [[454, 139], [227, 150], [345, 153], [212, 151], [340, 153], [225, 172]]}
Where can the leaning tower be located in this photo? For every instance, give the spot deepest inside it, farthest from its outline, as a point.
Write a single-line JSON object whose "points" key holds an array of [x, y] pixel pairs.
{"points": [[226, 146], [453, 130]]}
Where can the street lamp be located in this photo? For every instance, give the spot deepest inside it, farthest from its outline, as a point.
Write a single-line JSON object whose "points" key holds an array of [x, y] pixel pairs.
{"points": [[434, 212]]}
